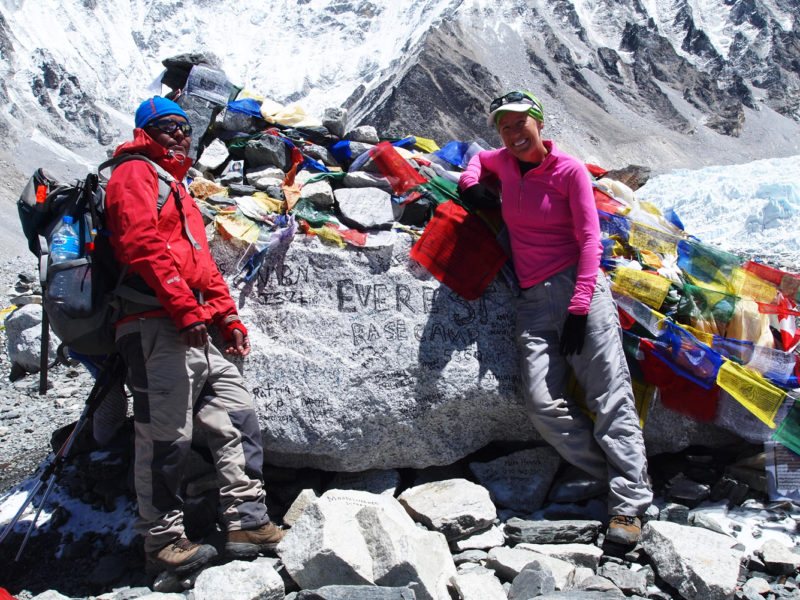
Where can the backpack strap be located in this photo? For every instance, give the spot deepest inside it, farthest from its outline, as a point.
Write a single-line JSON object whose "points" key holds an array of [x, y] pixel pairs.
{"points": [[167, 186]]}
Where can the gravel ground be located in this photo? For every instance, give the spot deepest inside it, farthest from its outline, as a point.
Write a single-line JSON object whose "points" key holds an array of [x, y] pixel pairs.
{"points": [[27, 418]]}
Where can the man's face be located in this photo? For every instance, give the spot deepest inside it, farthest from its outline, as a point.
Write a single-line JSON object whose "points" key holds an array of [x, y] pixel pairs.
{"points": [[168, 132], [521, 134]]}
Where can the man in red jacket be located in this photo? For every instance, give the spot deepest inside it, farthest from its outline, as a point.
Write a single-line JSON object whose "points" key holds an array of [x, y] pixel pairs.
{"points": [[179, 380]]}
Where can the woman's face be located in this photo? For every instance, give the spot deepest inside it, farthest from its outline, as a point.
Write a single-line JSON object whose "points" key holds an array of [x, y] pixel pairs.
{"points": [[521, 134], [176, 141]]}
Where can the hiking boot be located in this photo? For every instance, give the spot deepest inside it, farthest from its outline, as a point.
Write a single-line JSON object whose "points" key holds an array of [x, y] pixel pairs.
{"points": [[246, 544], [624, 530], [179, 557]]}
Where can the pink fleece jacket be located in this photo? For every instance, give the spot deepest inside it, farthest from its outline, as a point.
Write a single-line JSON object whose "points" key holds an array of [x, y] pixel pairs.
{"points": [[550, 214]]}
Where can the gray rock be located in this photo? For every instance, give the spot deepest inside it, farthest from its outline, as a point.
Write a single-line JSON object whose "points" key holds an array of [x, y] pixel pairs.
{"points": [[358, 538], [674, 513], [320, 153], [482, 540], [629, 581], [366, 134], [779, 559], [109, 568], [456, 508], [684, 490], [50, 595], [241, 189], [580, 555], [535, 579], [509, 562], [596, 583], [356, 592], [213, 157], [319, 193], [255, 173], [478, 584], [365, 208], [23, 337], [200, 113], [362, 179], [268, 150], [375, 481], [470, 557], [239, 580], [335, 120], [304, 499], [355, 348], [520, 480], [756, 585], [695, 561], [552, 532], [231, 120], [576, 595]]}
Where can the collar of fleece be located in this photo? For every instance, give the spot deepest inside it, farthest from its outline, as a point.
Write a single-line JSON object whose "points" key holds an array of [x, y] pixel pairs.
{"points": [[143, 144]]}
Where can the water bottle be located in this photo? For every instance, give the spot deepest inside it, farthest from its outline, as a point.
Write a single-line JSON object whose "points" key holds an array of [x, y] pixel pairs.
{"points": [[65, 245], [68, 290]]}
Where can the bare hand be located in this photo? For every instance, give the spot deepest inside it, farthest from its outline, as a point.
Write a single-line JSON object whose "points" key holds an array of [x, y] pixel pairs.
{"points": [[239, 345], [195, 337]]}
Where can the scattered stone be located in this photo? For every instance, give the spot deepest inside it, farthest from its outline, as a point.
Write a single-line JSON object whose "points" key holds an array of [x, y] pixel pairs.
{"points": [[470, 556], [596, 583], [455, 507], [581, 555], [483, 540], [356, 592], [358, 538], [552, 532], [213, 157], [478, 584], [684, 490], [335, 120], [23, 338], [303, 500], [509, 562], [520, 480], [696, 562], [365, 208], [629, 581], [239, 580], [535, 579], [756, 585], [268, 150], [675, 513], [778, 559], [362, 179], [366, 134]]}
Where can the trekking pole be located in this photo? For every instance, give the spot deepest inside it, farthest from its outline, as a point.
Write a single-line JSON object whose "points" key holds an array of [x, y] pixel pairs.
{"points": [[44, 350], [105, 379]]}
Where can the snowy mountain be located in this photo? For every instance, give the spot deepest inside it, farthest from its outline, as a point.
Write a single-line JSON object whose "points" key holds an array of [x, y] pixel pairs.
{"points": [[664, 83]]}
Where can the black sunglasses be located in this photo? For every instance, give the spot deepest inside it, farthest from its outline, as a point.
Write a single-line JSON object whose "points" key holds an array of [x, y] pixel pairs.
{"points": [[169, 126], [509, 98]]}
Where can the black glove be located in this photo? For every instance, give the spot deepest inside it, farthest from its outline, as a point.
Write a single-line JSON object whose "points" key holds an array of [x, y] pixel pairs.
{"points": [[477, 197], [573, 334]]}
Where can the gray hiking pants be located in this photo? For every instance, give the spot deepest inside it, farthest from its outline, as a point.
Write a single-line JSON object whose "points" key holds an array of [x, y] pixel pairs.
{"points": [[175, 389], [612, 447]]}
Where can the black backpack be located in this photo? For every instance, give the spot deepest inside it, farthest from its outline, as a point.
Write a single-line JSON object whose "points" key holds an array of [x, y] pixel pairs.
{"points": [[84, 318]]}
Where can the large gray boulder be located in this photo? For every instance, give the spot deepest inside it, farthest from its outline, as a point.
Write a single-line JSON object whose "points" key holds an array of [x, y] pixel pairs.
{"points": [[350, 537], [362, 360]]}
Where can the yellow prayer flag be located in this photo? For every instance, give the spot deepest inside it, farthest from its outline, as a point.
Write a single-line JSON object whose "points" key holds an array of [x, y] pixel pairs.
{"points": [[237, 226], [645, 287], [750, 285], [752, 391], [643, 237], [425, 144]]}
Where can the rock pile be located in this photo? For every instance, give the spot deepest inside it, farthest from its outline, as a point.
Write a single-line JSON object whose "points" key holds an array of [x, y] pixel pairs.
{"points": [[434, 534]]}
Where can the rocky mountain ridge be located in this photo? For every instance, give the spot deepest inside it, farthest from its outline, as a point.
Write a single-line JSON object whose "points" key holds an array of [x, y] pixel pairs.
{"points": [[679, 84]]}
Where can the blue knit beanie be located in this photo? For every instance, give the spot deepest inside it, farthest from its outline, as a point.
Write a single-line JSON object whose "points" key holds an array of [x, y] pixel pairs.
{"points": [[155, 107]]}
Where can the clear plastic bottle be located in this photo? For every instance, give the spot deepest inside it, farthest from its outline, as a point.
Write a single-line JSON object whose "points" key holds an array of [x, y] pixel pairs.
{"points": [[66, 244]]}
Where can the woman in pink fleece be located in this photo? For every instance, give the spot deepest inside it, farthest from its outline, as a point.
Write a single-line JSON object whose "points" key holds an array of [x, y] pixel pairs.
{"points": [[566, 317]]}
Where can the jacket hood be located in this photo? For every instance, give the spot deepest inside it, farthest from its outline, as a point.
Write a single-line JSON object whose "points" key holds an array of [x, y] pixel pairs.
{"points": [[143, 144]]}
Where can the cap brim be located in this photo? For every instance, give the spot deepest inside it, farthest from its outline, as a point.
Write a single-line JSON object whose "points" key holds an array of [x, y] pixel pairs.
{"points": [[522, 107]]}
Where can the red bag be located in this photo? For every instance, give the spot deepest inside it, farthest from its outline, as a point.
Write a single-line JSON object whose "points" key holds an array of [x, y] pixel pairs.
{"points": [[459, 250]]}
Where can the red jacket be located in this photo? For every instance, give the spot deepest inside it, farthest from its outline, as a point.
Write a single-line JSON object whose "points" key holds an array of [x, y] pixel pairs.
{"points": [[155, 245]]}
